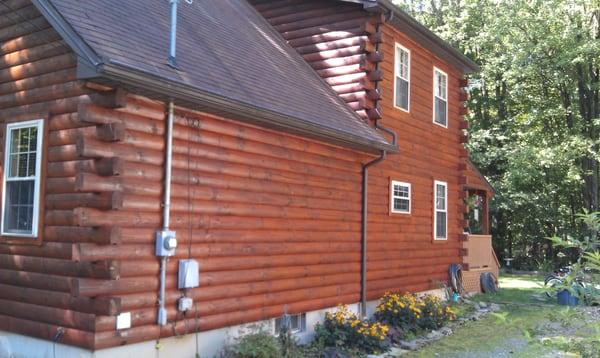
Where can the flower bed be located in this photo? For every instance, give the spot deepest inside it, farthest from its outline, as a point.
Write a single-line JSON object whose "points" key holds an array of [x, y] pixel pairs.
{"points": [[343, 329], [411, 313]]}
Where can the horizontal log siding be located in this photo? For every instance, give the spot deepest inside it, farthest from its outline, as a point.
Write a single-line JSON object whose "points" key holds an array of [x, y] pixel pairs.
{"points": [[273, 219], [337, 40], [37, 80], [428, 152]]}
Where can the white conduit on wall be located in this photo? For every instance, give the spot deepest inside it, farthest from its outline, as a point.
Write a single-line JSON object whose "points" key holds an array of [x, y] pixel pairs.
{"points": [[165, 239]]}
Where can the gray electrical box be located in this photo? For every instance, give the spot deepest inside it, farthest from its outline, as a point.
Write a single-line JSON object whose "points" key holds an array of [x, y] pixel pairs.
{"points": [[189, 274], [166, 243], [185, 304]]}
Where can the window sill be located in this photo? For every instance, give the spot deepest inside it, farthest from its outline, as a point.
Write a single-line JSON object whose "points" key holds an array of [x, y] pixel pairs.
{"points": [[20, 240]]}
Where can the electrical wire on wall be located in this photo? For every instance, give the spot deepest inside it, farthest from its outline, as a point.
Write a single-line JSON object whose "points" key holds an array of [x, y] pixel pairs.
{"points": [[193, 123]]}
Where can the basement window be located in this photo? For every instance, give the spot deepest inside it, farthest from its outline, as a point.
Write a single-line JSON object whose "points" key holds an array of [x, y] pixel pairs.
{"points": [[297, 323], [400, 197], [440, 97], [21, 178], [440, 213], [402, 78]]}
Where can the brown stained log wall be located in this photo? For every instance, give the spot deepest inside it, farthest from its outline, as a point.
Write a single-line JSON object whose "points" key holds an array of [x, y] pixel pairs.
{"points": [[428, 152], [328, 35], [339, 40], [273, 219], [37, 277]]}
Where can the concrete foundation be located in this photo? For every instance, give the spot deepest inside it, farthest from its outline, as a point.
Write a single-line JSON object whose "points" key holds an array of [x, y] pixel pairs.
{"points": [[208, 344]]}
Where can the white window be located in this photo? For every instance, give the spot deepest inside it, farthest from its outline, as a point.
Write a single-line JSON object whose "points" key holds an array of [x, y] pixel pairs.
{"points": [[402, 78], [297, 323], [440, 97], [440, 210], [21, 178], [400, 197]]}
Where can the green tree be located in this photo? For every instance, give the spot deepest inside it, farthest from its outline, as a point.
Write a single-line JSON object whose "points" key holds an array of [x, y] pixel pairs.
{"points": [[535, 119]]}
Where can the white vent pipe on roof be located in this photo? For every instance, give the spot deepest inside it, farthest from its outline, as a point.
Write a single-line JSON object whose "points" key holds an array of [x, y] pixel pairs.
{"points": [[173, 35]]}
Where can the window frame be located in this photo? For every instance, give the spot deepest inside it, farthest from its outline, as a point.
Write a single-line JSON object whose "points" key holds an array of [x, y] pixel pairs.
{"points": [[396, 75], [435, 71], [436, 210], [392, 197], [37, 218], [301, 320]]}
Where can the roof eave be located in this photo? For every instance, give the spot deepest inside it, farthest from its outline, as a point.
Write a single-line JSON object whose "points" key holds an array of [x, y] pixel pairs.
{"points": [[481, 176], [407, 24], [95, 66], [212, 103]]}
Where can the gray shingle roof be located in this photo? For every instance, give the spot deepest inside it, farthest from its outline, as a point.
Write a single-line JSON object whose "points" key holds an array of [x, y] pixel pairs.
{"points": [[224, 49]]}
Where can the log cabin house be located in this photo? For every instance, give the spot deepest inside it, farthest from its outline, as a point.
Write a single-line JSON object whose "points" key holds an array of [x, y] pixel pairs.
{"points": [[301, 153]]}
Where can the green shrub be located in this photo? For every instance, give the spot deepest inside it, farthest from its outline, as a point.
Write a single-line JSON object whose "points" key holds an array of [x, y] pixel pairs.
{"points": [[433, 313], [410, 313], [343, 329], [287, 341], [586, 268], [256, 345]]}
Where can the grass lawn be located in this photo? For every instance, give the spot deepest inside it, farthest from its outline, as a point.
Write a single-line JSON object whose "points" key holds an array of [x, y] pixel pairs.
{"points": [[528, 325]]}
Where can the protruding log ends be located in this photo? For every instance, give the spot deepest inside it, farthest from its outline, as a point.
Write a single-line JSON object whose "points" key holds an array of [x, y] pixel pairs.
{"points": [[371, 114], [112, 166], [376, 38], [111, 132], [462, 166], [369, 28], [107, 306], [463, 153], [376, 56], [367, 46], [375, 76], [463, 252], [345, 52], [115, 98], [68, 201], [463, 83], [463, 125], [95, 114], [374, 94], [462, 180], [463, 111], [101, 235]]}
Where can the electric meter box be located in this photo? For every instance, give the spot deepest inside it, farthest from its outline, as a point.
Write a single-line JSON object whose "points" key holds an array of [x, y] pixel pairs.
{"points": [[166, 243], [189, 274]]}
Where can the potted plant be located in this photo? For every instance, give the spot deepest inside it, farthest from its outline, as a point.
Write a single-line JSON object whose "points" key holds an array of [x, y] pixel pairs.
{"points": [[582, 282]]}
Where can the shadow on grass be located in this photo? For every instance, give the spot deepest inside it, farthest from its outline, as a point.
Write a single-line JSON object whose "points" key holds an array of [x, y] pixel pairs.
{"points": [[525, 289], [511, 332]]}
